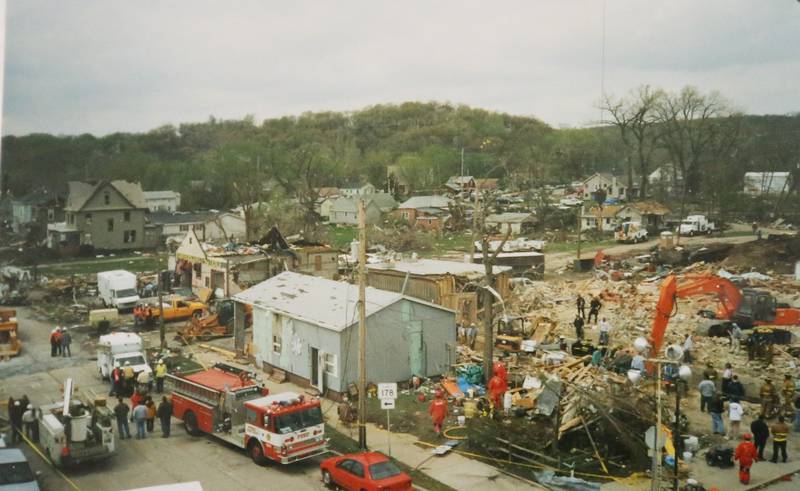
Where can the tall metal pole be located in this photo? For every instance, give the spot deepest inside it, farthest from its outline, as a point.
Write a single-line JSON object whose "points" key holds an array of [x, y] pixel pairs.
{"points": [[362, 326], [656, 484], [676, 433]]}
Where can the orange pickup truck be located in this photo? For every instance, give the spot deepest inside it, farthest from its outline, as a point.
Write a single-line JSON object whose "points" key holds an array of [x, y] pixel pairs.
{"points": [[174, 310]]}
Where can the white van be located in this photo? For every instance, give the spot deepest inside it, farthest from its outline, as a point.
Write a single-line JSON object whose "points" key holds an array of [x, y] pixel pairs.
{"points": [[117, 289]]}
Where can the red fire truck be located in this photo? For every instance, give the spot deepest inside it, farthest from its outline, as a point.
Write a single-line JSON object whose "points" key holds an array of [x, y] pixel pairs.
{"points": [[228, 403]]}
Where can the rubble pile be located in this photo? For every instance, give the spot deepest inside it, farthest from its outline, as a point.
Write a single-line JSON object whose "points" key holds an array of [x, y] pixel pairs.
{"points": [[776, 253]]}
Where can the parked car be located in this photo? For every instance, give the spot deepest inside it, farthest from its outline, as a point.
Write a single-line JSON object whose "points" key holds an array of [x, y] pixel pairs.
{"points": [[16, 473], [367, 471]]}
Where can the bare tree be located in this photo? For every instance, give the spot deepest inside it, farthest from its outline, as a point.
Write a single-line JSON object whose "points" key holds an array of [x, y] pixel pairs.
{"points": [[695, 128], [489, 259], [636, 118]]}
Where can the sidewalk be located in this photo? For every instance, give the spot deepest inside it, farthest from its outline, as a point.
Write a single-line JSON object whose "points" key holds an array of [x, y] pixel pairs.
{"points": [[454, 470]]}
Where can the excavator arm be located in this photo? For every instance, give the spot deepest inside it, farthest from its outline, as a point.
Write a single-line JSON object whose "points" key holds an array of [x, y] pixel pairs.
{"points": [[727, 293]]}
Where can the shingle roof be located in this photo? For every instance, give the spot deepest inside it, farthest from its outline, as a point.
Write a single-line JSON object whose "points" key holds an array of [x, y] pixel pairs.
{"points": [[426, 202], [511, 218], [161, 194], [319, 301], [609, 211], [81, 192], [385, 201], [436, 267], [649, 208]]}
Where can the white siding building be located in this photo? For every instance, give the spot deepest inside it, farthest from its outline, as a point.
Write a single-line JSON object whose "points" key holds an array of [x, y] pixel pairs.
{"points": [[308, 327]]}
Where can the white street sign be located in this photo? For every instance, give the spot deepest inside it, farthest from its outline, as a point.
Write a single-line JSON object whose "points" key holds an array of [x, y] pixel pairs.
{"points": [[387, 404], [387, 391]]}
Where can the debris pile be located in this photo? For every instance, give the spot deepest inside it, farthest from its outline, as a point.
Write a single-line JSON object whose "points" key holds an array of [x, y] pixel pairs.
{"points": [[776, 253]]}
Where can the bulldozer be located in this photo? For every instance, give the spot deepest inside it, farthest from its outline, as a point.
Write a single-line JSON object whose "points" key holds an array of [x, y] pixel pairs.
{"points": [[10, 344], [213, 325]]}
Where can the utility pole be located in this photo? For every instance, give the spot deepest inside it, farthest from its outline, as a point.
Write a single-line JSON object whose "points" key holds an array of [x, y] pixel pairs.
{"points": [[489, 259], [161, 329], [362, 326], [461, 177], [580, 208]]}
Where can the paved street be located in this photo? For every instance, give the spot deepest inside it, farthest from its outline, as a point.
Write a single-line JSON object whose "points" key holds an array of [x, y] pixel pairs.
{"points": [[138, 463]]}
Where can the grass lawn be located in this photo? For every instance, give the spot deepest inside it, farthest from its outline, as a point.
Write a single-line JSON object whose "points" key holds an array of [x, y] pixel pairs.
{"points": [[79, 266], [341, 237]]}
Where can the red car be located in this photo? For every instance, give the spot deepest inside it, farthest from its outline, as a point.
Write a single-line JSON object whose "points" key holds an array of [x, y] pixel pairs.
{"points": [[366, 471]]}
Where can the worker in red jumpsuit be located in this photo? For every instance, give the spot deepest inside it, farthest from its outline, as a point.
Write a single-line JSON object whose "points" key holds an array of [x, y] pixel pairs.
{"points": [[438, 411], [746, 454], [498, 385]]}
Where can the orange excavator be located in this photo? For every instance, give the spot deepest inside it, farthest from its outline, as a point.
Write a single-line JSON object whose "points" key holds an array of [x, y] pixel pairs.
{"points": [[747, 307]]}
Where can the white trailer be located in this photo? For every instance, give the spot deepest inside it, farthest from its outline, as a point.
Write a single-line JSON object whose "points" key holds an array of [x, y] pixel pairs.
{"points": [[117, 289], [119, 348]]}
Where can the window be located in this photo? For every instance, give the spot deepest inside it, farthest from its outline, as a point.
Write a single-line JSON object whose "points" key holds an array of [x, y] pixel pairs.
{"points": [[405, 215], [277, 343], [51, 214], [252, 417], [107, 199], [383, 470], [126, 216], [198, 269], [277, 330], [129, 236], [329, 362], [110, 223], [88, 218], [208, 282], [317, 263], [184, 228]]}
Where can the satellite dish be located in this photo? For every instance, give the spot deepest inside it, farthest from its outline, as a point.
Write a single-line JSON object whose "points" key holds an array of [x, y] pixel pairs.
{"points": [[674, 352]]}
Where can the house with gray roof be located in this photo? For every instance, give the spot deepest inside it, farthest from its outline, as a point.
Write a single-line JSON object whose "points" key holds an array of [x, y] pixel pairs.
{"points": [[104, 215], [163, 201], [345, 211], [307, 327]]}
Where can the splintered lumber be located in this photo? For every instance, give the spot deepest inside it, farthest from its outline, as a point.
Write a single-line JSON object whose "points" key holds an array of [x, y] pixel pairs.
{"points": [[594, 446]]}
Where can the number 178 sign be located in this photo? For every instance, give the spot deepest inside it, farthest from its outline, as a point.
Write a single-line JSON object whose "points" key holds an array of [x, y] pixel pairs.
{"points": [[387, 391]]}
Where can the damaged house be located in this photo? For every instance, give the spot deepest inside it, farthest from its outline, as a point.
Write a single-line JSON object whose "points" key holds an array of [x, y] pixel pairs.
{"points": [[307, 328], [450, 284], [234, 267]]}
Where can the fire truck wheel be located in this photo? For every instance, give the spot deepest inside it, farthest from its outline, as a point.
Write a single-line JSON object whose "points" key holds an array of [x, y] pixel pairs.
{"points": [[327, 480], [197, 313], [206, 336], [190, 423], [256, 453]]}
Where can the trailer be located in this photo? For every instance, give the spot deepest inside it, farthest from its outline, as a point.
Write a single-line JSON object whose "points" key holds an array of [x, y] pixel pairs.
{"points": [[229, 404], [74, 431]]}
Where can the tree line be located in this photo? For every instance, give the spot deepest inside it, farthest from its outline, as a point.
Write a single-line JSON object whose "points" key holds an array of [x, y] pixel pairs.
{"points": [[220, 164]]}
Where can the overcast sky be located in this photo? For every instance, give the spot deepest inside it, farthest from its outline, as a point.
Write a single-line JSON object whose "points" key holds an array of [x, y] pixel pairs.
{"points": [[101, 66]]}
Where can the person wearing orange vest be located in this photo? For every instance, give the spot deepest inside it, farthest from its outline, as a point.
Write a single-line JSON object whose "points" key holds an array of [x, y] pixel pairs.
{"points": [[438, 411], [498, 385], [780, 433], [746, 454]]}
